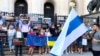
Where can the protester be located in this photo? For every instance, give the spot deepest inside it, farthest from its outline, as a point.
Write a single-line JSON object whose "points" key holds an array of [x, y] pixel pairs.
{"points": [[24, 26], [80, 46], [11, 34], [41, 47], [29, 41], [48, 35], [1, 43], [96, 40], [4, 27], [18, 47]]}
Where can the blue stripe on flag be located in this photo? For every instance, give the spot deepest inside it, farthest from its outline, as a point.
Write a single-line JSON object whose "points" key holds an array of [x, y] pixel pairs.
{"points": [[74, 24], [52, 38]]}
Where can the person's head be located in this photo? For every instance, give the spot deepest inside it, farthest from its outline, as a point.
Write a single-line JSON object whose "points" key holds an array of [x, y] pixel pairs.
{"points": [[41, 30], [31, 30], [96, 27], [11, 27], [47, 30], [53, 25], [44, 21], [4, 25], [18, 29]]}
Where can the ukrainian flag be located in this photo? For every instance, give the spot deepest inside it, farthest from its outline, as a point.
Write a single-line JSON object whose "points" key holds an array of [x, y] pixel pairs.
{"points": [[51, 40]]}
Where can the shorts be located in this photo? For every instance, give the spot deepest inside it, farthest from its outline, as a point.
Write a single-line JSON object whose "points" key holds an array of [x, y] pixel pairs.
{"points": [[25, 34], [31, 46]]}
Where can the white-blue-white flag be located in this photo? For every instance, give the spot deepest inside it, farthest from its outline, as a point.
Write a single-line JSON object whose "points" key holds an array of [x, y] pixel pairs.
{"points": [[73, 29]]}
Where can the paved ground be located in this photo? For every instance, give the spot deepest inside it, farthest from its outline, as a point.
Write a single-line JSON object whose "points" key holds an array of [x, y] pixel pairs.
{"points": [[74, 54]]}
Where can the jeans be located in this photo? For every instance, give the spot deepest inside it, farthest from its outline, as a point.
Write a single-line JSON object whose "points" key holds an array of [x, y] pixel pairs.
{"points": [[11, 46], [96, 53], [1, 49], [18, 48]]}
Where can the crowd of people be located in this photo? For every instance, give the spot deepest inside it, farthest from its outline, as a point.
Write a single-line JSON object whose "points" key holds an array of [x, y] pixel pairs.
{"points": [[23, 28]]}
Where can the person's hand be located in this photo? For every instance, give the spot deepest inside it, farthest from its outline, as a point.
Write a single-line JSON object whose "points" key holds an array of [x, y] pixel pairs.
{"points": [[95, 40]]}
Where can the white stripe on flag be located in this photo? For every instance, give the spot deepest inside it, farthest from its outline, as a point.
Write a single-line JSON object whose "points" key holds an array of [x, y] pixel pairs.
{"points": [[64, 40]]}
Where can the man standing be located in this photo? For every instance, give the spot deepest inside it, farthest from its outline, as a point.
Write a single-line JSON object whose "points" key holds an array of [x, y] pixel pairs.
{"points": [[1, 43], [96, 40]]}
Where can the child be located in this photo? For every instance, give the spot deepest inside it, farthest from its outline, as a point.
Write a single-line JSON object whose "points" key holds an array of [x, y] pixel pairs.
{"points": [[47, 34], [41, 35], [29, 41]]}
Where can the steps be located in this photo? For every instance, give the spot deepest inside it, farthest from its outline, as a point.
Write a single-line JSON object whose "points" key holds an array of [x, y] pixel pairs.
{"points": [[24, 50]]}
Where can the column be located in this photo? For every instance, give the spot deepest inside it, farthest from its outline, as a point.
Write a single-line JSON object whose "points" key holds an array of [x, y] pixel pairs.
{"points": [[11, 5], [5, 5], [29, 3]]}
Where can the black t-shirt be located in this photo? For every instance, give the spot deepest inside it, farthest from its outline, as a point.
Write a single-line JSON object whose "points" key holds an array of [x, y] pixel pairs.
{"points": [[45, 25]]}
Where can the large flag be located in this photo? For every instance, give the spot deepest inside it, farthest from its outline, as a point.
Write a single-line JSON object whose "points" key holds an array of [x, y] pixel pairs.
{"points": [[73, 29]]}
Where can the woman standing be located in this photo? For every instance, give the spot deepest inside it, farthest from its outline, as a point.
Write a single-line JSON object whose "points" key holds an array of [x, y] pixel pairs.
{"points": [[18, 47], [11, 34], [30, 40], [42, 41], [48, 35]]}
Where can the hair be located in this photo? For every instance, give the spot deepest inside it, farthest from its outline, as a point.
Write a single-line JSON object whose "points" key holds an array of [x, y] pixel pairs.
{"points": [[96, 24]]}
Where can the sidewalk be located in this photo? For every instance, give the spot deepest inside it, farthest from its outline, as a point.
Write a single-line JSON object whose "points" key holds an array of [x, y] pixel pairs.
{"points": [[74, 54]]}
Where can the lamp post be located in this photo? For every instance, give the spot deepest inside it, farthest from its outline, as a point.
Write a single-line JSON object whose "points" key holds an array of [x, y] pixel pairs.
{"points": [[72, 4]]}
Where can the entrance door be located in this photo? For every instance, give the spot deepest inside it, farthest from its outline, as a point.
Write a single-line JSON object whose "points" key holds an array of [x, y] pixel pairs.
{"points": [[20, 7], [49, 11]]}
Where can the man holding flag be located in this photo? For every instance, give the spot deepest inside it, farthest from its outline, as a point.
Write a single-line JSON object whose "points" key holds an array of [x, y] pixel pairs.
{"points": [[73, 29]]}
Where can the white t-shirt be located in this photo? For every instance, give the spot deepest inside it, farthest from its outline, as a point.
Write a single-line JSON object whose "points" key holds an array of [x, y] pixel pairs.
{"points": [[11, 32], [47, 34], [4, 28], [18, 34]]}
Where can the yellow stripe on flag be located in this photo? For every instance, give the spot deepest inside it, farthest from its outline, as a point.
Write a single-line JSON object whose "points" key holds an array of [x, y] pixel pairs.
{"points": [[51, 43]]}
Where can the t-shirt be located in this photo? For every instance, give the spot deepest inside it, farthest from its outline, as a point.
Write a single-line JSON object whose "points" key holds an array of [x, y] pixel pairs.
{"points": [[18, 34], [11, 32], [25, 28], [96, 45]]}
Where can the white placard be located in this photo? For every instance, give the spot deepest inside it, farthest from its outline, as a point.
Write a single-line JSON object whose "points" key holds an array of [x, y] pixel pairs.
{"points": [[84, 41], [33, 19], [48, 20]]}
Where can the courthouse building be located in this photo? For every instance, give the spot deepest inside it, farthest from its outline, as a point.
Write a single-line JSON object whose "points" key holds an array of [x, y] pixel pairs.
{"points": [[47, 8]]}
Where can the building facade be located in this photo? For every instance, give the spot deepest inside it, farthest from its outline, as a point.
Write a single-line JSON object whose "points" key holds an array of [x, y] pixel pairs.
{"points": [[59, 7], [47, 8]]}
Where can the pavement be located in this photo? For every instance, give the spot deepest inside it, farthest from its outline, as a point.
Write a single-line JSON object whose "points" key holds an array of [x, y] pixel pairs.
{"points": [[70, 54]]}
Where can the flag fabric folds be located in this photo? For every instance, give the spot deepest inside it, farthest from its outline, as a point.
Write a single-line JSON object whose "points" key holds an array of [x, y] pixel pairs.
{"points": [[73, 29], [35, 40]]}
